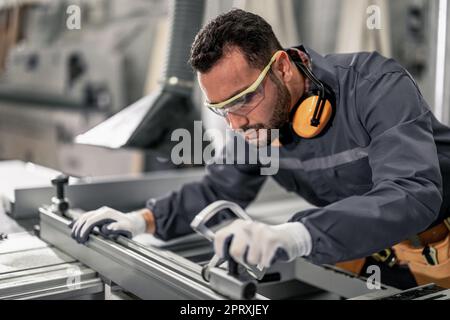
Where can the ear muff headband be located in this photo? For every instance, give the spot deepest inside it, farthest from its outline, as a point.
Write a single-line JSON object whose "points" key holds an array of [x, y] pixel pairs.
{"points": [[312, 114]]}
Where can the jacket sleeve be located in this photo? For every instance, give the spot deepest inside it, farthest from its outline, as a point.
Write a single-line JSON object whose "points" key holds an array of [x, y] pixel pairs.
{"points": [[407, 185], [174, 212]]}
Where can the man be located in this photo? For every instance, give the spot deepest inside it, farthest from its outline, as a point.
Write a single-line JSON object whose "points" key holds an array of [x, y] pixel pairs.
{"points": [[377, 173]]}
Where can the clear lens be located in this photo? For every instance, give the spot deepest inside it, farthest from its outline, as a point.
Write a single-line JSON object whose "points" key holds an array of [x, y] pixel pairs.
{"points": [[243, 105]]}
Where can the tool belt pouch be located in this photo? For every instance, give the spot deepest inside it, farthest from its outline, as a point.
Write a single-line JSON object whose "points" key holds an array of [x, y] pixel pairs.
{"points": [[430, 263], [353, 266]]}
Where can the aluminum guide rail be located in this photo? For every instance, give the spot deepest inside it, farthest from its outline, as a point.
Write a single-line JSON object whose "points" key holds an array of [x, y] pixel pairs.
{"points": [[146, 272]]}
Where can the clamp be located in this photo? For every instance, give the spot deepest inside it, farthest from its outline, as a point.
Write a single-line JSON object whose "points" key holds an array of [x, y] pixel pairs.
{"points": [[239, 282]]}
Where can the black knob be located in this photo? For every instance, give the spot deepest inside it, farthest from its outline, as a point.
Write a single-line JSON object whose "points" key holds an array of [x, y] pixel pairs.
{"points": [[60, 182], [60, 204]]}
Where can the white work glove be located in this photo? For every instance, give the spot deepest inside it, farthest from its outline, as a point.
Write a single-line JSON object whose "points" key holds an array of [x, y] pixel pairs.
{"points": [[110, 222], [259, 244]]}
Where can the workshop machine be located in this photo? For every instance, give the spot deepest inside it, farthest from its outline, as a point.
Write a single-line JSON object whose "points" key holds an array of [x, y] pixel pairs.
{"points": [[186, 268], [76, 75], [48, 264], [57, 81]]}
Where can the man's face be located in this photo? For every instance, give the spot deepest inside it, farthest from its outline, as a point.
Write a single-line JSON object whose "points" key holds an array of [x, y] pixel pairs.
{"points": [[231, 75]]}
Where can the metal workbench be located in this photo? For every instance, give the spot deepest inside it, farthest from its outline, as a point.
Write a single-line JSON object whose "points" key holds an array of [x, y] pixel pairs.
{"points": [[48, 266], [173, 271]]}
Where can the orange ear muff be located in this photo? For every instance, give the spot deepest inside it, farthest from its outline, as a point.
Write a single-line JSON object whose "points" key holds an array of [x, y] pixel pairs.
{"points": [[301, 122]]}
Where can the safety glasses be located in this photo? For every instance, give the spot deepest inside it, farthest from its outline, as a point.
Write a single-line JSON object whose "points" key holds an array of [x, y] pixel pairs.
{"points": [[243, 103]]}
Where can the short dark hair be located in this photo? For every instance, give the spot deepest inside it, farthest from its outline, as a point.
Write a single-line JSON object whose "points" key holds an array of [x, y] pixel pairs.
{"points": [[247, 31]]}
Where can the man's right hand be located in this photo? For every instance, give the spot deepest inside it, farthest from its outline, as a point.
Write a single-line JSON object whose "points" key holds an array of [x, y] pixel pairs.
{"points": [[112, 223]]}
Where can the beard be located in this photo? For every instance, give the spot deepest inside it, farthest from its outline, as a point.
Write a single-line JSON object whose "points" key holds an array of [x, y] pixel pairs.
{"points": [[262, 135]]}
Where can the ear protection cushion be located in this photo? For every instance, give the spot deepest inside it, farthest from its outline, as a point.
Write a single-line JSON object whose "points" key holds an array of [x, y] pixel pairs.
{"points": [[303, 113]]}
